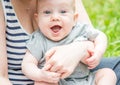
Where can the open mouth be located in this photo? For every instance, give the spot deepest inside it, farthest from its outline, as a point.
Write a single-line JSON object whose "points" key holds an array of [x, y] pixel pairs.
{"points": [[56, 28]]}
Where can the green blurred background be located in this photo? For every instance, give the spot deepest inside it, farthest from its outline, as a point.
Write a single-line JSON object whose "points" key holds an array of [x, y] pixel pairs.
{"points": [[105, 15]]}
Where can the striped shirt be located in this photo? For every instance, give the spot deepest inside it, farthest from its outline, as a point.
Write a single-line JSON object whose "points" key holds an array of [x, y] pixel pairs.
{"points": [[16, 38]]}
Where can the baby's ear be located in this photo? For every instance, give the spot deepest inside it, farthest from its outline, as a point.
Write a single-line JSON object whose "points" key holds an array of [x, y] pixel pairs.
{"points": [[76, 16]]}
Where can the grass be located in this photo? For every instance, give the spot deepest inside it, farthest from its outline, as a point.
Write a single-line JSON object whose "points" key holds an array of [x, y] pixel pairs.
{"points": [[105, 15]]}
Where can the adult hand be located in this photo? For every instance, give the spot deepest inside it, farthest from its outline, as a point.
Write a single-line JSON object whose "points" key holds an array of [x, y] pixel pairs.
{"points": [[64, 59]]}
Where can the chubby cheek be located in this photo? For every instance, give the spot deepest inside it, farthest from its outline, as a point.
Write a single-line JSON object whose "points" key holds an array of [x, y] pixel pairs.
{"points": [[69, 21], [45, 32], [43, 25], [65, 31], [69, 25], [68, 30], [43, 21], [43, 28]]}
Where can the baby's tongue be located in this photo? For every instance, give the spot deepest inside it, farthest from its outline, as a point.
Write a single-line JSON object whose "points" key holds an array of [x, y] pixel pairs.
{"points": [[56, 28]]}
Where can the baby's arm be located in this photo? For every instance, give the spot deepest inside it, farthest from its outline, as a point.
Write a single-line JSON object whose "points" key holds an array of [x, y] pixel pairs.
{"points": [[100, 48], [100, 45], [30, 69]]}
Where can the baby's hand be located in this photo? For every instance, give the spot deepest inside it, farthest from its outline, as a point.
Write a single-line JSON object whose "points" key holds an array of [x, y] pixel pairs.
{"points": [[92, 61], [94, 58], [50, 77], [44, 83], [91, 58]]}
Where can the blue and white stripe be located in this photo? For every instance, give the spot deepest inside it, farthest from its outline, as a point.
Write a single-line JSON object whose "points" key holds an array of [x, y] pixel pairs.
{"points": [[16, 37]]}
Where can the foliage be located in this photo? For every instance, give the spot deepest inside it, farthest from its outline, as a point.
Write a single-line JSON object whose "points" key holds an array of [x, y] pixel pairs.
{"points": [[105, 15]]}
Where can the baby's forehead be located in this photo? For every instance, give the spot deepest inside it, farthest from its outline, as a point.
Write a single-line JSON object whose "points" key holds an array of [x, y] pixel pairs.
{"points": [[43, 3], [55, 4], [57, 1]]}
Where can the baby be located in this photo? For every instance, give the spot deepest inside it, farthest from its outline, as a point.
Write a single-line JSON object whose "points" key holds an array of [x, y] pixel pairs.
{"points": [[57, 26]]}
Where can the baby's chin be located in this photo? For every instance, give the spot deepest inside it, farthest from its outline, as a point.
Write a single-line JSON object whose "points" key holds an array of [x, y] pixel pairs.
{"points": [[56, 39]]}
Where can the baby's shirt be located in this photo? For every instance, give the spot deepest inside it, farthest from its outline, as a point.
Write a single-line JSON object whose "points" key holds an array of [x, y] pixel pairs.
{"points": [[38, 44]]}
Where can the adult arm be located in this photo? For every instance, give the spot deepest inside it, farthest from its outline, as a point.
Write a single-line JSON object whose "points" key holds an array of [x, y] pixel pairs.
{"points": [[3, 57], [64, 59], [83, 16]]}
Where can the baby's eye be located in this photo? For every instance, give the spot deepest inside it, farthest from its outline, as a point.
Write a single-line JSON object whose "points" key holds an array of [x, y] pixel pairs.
{"points": [[63, 11], [47, 12]]}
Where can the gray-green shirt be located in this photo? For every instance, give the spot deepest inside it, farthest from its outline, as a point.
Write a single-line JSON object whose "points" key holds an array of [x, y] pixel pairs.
{"points": [[39, 44]]}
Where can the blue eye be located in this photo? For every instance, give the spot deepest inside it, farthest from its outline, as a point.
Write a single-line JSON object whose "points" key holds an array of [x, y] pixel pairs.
{"points": [[63, 11], [47, 12]]}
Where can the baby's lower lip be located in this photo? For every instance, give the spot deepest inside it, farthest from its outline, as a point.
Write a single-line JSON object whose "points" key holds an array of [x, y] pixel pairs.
{"points": [[56, 28]]}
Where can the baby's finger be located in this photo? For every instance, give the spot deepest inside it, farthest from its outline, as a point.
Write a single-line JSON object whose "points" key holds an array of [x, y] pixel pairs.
{"points": [[92, 65], [64, 75], [56, 68], [47, 67], [91, 59], [53, 80]]}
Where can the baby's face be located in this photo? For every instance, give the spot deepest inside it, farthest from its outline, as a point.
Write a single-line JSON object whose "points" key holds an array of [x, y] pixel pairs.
{"points": [[56, 18]]}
